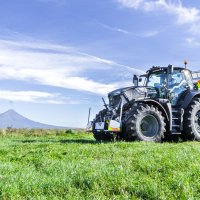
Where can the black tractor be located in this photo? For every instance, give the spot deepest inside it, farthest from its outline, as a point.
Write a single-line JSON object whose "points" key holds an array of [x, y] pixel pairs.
{"points": [[162, 105]]}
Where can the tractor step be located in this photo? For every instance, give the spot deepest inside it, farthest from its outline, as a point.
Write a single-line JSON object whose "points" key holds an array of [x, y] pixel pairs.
{"points": [[175, 125], [175, 111], [176, 133], [176, 121]]}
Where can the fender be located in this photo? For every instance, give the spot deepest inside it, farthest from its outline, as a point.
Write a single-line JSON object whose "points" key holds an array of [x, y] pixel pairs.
{"points": [[188, 98], [159, 105]]}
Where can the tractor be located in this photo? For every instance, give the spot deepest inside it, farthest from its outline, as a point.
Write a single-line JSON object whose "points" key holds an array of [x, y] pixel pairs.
{"points": [[163, 104]]}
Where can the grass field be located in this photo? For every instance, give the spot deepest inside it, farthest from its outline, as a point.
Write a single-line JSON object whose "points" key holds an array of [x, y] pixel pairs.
{"points": [[59, 165]]}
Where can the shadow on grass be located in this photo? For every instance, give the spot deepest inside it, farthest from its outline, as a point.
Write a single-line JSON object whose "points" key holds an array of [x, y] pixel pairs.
{"points": [[80, 141], [66, 141], [86, 141]]}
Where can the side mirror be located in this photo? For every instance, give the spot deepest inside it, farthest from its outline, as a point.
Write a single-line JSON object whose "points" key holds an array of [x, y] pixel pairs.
{"points": [[170, 69], [135, 80]]}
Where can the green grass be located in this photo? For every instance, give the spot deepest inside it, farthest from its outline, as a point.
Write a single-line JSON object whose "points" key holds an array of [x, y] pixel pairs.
{"points": [[59, 165]]}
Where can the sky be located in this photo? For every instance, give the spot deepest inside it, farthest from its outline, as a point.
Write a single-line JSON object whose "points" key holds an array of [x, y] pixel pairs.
{"points": [[59, 57]]}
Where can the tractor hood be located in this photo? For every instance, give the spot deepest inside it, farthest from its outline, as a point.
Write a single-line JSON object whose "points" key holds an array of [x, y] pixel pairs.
{"points": [[130, 93], [120, 91]]}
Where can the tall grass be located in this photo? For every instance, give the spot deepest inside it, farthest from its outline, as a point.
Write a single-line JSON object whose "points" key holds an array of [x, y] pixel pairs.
{"points": [[62, 165]]}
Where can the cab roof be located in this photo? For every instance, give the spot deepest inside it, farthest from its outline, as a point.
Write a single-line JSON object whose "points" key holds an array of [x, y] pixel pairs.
{"points": [[154, 69]]}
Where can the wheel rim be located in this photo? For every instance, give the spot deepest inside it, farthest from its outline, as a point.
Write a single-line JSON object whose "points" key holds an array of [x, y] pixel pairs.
{"points": [[197, 121], [149, 126]]}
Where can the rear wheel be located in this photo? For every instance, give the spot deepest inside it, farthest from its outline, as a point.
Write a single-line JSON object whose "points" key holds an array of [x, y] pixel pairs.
{"points": [[191, 123], [145, 123]]}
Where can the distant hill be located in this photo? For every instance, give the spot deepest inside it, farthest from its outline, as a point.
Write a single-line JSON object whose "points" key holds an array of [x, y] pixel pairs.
{"points": [[13, 119]]}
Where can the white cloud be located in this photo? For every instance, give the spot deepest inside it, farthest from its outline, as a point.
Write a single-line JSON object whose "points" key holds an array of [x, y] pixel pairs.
{"points": [[184, 15], [120, 30], [131, 3], [31, 96], [146, 34], [40, 97], [192, 42], [61, 66]]}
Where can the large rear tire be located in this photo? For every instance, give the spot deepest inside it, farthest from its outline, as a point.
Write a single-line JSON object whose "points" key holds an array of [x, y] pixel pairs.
{"points": [[145, 123], [191, 122]]}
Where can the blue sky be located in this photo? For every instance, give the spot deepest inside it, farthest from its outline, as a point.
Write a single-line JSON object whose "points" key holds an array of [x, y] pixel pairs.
{"points": [[58, 57]]}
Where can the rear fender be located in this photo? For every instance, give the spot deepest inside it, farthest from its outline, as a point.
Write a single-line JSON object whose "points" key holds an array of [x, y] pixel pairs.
{"points": [[188, 98]]}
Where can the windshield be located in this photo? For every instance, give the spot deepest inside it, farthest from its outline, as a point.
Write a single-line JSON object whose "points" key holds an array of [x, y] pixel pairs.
{"points": [[157, 79]]}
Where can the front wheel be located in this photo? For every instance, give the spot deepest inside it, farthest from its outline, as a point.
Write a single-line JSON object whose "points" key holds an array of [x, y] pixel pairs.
{"points": [[101, 135], [145, 123]]}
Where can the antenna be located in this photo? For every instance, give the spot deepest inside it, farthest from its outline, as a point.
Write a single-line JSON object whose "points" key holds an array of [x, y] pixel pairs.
{"points": [[185, 63]]}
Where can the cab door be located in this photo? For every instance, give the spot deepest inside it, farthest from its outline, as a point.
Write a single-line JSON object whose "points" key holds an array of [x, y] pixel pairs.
{"points": [[178, 83]]}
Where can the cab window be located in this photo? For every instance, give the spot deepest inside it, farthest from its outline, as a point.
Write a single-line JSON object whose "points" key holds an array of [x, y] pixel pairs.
{"points": [[157, 79]]}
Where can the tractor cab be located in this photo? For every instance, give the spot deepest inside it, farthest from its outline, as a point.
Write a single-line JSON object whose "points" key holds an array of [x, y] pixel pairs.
{"points": [[170, 82]]}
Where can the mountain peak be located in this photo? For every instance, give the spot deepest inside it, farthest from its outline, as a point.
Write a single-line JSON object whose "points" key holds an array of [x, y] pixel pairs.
{"points": [[11, 114], [11, 118], [10, 111]]}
